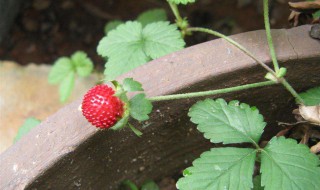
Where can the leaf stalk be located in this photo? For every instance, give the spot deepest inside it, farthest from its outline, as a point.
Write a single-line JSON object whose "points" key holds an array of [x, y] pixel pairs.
{"points": [[210, 92]]}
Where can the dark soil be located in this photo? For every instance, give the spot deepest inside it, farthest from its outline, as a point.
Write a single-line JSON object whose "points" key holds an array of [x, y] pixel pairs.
{"points": [[45, 29]]}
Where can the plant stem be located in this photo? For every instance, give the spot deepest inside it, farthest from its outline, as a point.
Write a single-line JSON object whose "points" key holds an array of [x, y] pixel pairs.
{"points": [[210, 92], [175, 11], [273, 52], [247, 52], [236, 44], [269, 36], [291, 90]]}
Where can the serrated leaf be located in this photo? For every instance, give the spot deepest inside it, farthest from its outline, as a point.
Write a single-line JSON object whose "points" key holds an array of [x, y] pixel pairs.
{"points": [[257, 183], [161, 38], [28, 124], [140, 107], [116, 67], [123, 47], [129, 46], [61, 68], [66, 86], [227, 123], [220, 168], [151, 16], [149, 185], [112, 25], [182, 1], [288, 165], [311, 97], [131, 85], [83, 64]]}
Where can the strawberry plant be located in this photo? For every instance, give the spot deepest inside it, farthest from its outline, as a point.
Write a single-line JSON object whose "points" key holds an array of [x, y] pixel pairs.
{"points": [[144, 18], [65, 70], [147, 185], [283, 163]]}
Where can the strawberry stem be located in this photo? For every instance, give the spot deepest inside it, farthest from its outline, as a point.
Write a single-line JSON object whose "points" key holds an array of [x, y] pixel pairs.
{"points": [[175, 11], [135, 130], [236, 44], [269, 36], [210, 92], [281, 80]]}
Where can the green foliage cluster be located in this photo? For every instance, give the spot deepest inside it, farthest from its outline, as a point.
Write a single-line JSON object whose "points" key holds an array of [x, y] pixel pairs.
{"points": [[138, 107], [315, 15], [128, 45], [284, 163], [311, 97], [65, 70], [145, 18]]}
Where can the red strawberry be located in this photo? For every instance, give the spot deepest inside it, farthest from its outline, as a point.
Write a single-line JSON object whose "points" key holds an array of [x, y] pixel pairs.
{"points": [[101, 108]]}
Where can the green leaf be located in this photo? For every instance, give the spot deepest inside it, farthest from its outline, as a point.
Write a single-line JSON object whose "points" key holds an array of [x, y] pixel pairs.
{"points": [[127, 184], [140, 107], [151, 16], [227, 123], [83, 64], [149, 185], [316, 15], [131, 85], [66, 86], [135, 130], [61, 69], [28, 124], [311, 97], [129, 46], [123, 121], [288, 165], [182, 1], [220, 168], [112, 25], [161, 38], [257, 183]]}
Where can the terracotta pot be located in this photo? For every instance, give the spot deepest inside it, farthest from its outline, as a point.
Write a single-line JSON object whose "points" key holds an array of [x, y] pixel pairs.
{"points": [[66, 152]]}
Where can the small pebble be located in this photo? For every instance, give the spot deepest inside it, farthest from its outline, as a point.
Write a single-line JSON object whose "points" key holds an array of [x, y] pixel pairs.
{"points": [[315, 31]]}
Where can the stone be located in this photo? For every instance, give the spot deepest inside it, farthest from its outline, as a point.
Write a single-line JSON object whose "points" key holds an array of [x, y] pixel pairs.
{"points": [[25, 92], [315, 31]]}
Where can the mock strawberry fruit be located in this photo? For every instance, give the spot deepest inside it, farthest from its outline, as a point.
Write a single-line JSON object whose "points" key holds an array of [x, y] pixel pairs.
{"points": [[101, 108]]}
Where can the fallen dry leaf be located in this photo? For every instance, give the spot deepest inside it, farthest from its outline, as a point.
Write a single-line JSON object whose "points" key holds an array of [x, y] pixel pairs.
{"points": [[301, 12], [305, 6], [297, 18], [315, 148], [310, 113]]}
